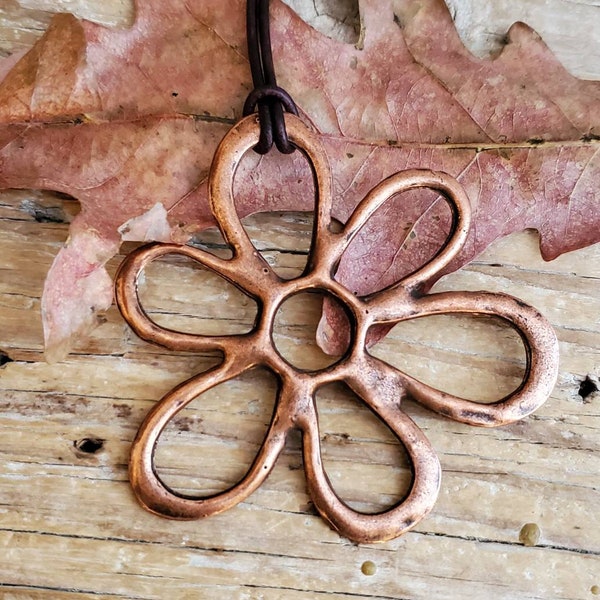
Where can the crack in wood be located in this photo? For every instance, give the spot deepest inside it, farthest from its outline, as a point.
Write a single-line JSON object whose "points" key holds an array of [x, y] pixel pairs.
{"points": [[482, 540], [69, 590]]}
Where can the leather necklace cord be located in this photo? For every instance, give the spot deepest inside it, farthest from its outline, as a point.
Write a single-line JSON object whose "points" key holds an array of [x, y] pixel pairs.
{"points": [[270, 99]]}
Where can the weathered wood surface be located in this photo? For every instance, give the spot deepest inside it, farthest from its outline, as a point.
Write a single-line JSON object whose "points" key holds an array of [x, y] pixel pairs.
{"points": [[70, 527]]}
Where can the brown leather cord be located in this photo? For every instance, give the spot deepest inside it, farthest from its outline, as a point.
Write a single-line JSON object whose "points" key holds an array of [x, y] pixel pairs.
{"points": [[270, 99]]}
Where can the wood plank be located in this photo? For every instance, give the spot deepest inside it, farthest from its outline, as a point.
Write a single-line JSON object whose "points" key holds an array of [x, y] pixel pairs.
{"points": [[569, 27]]}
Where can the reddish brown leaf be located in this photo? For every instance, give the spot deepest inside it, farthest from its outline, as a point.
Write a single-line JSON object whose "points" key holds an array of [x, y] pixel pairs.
{"points": [[127, 121]]}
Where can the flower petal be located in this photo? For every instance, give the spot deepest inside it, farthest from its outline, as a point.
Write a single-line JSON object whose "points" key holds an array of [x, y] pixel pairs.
{"points": [[403, 181], [128, 300], [378, 385], [153, 494], [239, 140], [539, 339]]}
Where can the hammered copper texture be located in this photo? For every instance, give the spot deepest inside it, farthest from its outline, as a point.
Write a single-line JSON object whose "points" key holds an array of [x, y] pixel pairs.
{"points": [[379, 385]]}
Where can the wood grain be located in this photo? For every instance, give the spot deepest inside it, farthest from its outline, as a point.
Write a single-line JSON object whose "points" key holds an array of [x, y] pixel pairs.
{"points": [[70, 527]]}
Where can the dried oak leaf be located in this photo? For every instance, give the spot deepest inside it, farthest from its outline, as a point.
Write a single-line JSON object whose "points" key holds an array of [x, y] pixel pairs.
{"points": [[126, 121]]}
